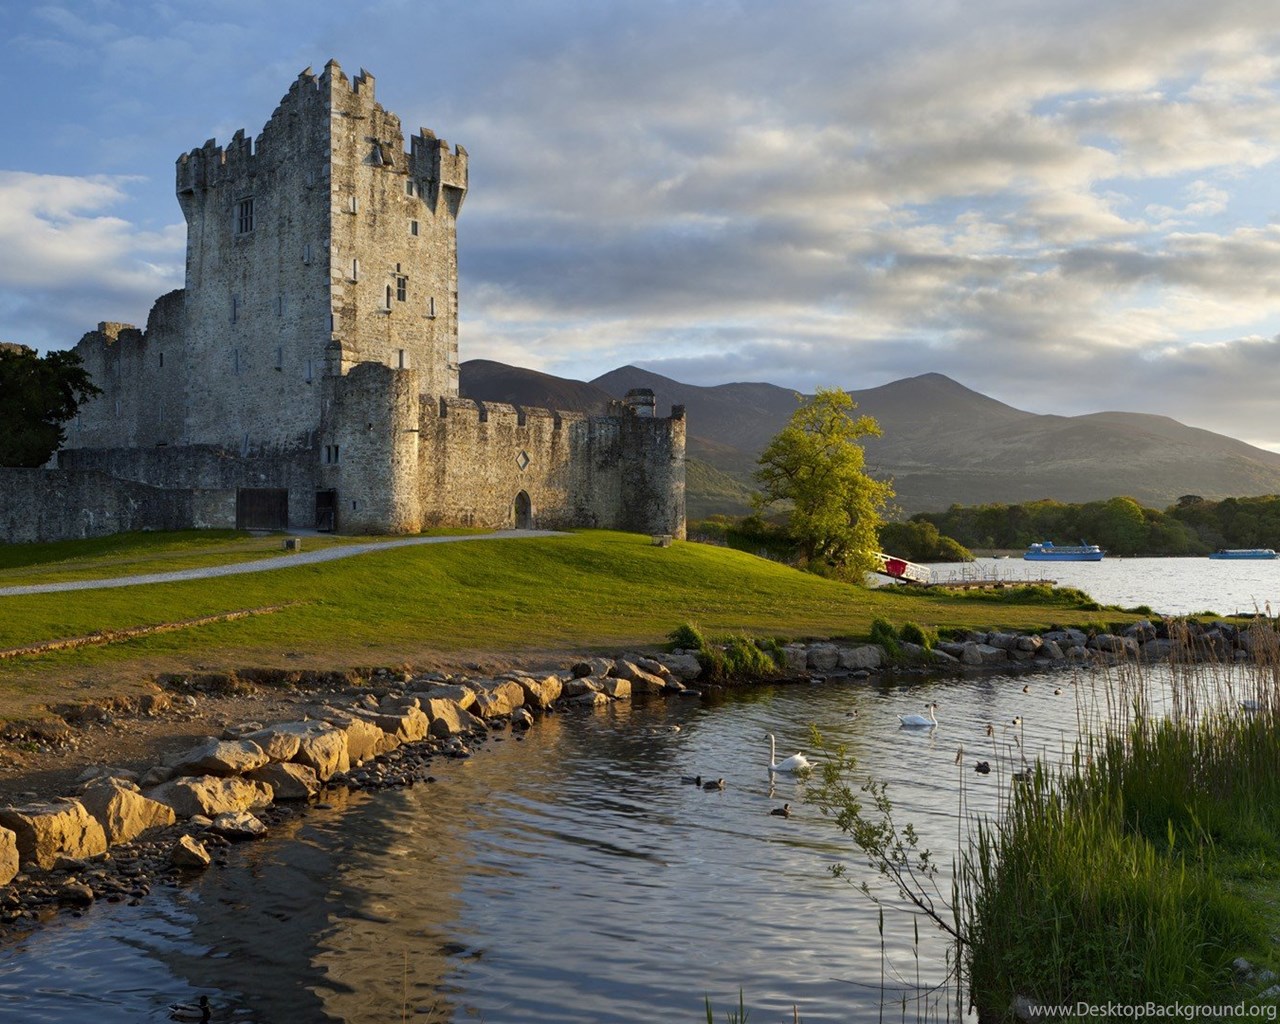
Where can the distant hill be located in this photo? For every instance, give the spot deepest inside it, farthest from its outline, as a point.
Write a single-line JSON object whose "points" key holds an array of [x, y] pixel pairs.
{"points": [[497, 382], [943, 443]]}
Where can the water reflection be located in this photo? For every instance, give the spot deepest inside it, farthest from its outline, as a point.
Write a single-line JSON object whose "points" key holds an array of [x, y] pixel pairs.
{"points": [[571, 876]]}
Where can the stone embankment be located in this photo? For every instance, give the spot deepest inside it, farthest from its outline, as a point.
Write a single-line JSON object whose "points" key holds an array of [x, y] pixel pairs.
{"points": [[123, 829]]}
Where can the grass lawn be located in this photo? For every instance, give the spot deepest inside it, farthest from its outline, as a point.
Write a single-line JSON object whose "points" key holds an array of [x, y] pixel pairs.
{"points": [[594, 590]]}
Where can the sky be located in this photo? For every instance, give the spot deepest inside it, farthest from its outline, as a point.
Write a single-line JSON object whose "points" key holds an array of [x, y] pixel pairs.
{"points": [[1069, 205]]}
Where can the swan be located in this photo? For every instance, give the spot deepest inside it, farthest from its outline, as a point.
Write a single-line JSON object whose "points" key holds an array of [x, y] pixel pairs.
{"points": [[198, 1012], [782, 812], [795, 763], [919, 721]]}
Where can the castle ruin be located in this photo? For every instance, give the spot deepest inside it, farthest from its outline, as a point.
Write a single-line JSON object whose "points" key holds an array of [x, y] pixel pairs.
{"points": [[307, 373]]}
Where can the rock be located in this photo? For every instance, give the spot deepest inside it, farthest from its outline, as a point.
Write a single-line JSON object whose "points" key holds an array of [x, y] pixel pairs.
{"points": [[448, 719], [1157, 650], [521, 718], [463, 696], [212, 795], [1050, 651], [619, 689], [823, 657], [591, 667], [122, 811], [277, 743], [643, 681], [75, 894], [541, 693], [868, 656], [240, 731], [238, 826], [367, 739], [650, 665], [687, 667], [1066, 637], [9, 860], [189, 853], [155, 775], [1030, 643], [44, 832], [1141, 631], [288, 781], [943, 658], [1003, 641], [983, 654], [219, 757], [1109, 643], [1027, 1010], [403, 725], [154, 703], [102, 771], [498, 700], [592, 698], [579, 685]]}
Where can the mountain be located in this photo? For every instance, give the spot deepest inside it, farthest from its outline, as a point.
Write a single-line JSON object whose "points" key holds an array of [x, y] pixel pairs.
{"points": [[943, 443], [497, 382]]}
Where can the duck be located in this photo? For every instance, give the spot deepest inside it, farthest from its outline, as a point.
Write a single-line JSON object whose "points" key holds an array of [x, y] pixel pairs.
{"points": [[796, 763], [1027, 688], [919, 721], [691, 780], [197, 1012], [1057, 691], [983, 768], [714, 784], [782, 812]]}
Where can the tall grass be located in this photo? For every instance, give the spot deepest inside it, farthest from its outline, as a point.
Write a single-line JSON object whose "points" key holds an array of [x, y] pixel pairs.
{"points": [[1122, 875]]}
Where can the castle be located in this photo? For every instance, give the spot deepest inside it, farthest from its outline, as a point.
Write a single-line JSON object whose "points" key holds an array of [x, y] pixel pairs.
{"points": [[307, 374]]}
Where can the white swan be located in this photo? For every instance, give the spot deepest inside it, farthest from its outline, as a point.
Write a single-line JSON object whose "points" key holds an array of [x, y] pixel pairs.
{"points": [[795, 763], [919, 721]]}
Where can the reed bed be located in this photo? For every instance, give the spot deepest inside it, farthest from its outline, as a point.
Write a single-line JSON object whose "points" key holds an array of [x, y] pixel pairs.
{"points": [[1142, 864]]}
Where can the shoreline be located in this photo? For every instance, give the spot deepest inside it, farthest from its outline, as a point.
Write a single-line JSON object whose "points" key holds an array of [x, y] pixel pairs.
{"points": [[393, 723]]}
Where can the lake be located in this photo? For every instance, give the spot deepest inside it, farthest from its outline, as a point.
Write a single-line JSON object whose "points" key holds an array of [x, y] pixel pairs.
{"points": [[568, 877], [1169, 586]]}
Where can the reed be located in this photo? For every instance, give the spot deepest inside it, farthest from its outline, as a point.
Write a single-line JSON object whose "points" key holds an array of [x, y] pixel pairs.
{"points": [[1121, 875]]}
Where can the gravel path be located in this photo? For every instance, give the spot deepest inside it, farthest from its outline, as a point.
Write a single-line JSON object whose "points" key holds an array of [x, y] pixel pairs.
{"points": [[264, 565]]}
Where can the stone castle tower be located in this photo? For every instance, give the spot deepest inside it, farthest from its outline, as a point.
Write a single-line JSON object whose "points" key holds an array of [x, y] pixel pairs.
{"points": [[310, 364]]}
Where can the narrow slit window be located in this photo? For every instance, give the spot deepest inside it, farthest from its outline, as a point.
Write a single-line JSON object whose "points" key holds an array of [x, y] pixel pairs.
{"points": [[403, 360], [306, 253], [244, 216], [355, 270], [235, 308], [431, 307], [388, 302], [413, 227]]}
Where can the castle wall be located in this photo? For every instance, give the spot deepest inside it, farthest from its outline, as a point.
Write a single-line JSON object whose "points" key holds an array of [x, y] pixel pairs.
{"points": [[42, 505]]}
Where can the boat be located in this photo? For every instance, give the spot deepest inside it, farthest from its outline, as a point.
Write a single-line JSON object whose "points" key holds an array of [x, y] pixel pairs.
{"points": [[1049, 552], [1244, 553]]}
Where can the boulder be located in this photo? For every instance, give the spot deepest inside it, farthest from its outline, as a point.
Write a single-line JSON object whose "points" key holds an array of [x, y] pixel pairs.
{"points": [[75, 894], [868, 656], [687, 667], [645, 682], [238, 826], [591, 667], [189, 853], [46, 831], [824, 657], [463, 696], [541, 693], [102, 771], [1050, 650], [1066, 637], [122, 811], [650, 665], [211, 795], [1109, 643], [592, 698], [365, 739], [448, 719], [241, 730], [1157, 650], [287, 781], [579, 685], [219, 757], [943, 658], [404, 725], [1004, 641], [498, 699], [619, 689], [983, 654], [9, 861], [277, 743], [521, 718]]}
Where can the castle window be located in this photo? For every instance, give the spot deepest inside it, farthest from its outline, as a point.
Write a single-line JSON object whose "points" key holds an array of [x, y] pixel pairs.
{"points": [[279, 358], [310, 370], [235, 308], [306, 253], [331, 454], [402, 288], [403, 359], [117, 407], [355, 270], [353, 205], [413, 227], [388, 303], [244, 216], [410, 187], [279, 305], [162, 359], [235, 361], [431, 307]]}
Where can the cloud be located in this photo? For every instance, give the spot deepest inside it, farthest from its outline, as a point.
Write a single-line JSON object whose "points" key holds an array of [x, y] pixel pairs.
{"points": [[66, 263]]}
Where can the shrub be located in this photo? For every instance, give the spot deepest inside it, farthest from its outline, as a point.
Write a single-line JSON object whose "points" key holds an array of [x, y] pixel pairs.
{"points": [[883, 633], [913, 633], [688, 636]]}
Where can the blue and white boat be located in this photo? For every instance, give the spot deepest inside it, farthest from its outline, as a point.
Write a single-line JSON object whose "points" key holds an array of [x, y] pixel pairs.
{"points": [[1244, 553], [1049, 552]]}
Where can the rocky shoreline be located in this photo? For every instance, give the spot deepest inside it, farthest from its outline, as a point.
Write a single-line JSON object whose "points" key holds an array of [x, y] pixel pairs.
{"points": [[121, 831]]}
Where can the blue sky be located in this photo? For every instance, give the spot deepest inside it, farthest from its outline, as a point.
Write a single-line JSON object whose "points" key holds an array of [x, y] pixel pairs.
{"points": [[1069, 205]]}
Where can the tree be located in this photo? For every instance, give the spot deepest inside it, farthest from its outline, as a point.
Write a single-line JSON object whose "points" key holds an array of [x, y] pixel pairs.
{"points": [[37, 396], [816, 463]]}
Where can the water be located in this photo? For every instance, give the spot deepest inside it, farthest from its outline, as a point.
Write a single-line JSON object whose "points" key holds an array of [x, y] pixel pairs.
{"points": [[1169, 586], [570, 877]]}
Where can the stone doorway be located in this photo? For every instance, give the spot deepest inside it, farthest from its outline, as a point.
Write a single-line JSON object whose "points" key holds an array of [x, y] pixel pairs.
{"points": [[524, 512]]}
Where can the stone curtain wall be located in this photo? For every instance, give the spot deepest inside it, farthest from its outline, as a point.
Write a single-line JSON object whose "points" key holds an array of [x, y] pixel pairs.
{"points": [[38, 505]]}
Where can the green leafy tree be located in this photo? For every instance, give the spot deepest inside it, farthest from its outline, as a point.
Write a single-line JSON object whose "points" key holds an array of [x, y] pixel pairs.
{"points": [[817, 464], [37, 396]]}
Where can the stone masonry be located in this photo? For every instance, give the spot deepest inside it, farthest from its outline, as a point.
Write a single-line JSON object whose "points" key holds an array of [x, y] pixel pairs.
{"points": [[313, 357]]}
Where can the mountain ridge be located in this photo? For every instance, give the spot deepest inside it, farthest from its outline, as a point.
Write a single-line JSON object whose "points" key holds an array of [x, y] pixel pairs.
{"points": [[943, 443]]}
